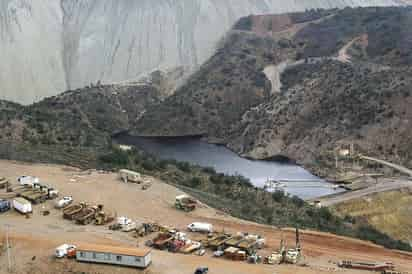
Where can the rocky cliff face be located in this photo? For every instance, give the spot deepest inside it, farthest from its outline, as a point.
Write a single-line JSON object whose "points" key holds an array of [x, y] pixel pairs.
{"points": [[50, 46], [301, 85]]}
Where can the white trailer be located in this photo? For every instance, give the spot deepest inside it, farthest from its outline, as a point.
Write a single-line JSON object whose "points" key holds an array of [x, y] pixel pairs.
{"points": [[130, 176], [200, 227], [22, 205], [125, 256]]}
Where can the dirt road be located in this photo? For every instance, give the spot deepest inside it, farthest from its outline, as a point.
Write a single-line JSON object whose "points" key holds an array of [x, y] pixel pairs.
{"points": [[380, 187], [33, 240]]}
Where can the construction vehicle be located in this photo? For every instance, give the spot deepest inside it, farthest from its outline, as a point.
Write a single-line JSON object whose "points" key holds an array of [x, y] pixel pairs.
{"points": [[249, 245], [146, 228], [191, 247], [35, 196], [87, 215], [70, 211], [294, 255], [375, 266], [175, 245], [234, 241], [185, 203], [285, 255], [102, 218], [216, 241], [235, 254], [162, 240]]}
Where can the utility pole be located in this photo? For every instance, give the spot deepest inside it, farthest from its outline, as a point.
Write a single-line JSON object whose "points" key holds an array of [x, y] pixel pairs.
{"points": [[8, 249]]}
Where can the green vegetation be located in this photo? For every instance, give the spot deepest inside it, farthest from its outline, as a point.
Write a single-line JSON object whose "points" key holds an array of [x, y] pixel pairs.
{"points": [[238, 197]]}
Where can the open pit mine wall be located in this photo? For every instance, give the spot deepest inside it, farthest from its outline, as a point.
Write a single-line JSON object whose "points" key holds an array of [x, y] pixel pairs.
{"points": [[48, 46]]}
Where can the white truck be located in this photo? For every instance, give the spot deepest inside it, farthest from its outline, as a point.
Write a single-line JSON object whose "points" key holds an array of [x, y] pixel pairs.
{"points": [[61, 251], [22, 205], [130, 176], [126, 224], [67, 200], [28, 180], [200, 227]]}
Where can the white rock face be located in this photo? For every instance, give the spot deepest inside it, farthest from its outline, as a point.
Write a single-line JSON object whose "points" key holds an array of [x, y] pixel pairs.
{"points": [[48, 46]]}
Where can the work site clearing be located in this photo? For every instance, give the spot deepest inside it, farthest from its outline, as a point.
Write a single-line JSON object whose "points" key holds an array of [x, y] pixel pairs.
{"points": [[33, 240]]}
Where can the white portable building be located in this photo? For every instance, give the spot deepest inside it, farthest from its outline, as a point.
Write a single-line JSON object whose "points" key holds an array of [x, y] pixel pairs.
{"points": [[126, 256]]}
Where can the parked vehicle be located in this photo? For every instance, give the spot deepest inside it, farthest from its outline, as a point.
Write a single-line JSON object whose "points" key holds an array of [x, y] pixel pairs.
{"points": [[130, 176], [126, 224], [63, 250], [200, 227], [67, 200], [202, 270], [4, 205], [184, 202], [201, 252], [28, 180], [22, 205]]}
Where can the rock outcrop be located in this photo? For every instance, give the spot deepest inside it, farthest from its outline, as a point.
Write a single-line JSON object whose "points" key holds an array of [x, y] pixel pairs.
{"points": [[50, 46]]}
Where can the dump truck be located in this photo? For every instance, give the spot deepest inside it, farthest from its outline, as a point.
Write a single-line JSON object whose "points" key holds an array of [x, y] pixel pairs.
{"points": [[217, 241], [191, 247], [71, 210], [130, 176], [234, 241], [86, 216], [235, 254], [162, 240], [35, 196], [185, 203], [249, 245]]}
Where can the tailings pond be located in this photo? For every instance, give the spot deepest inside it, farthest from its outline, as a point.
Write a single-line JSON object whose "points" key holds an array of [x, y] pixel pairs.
{"points": [[292, 178]]}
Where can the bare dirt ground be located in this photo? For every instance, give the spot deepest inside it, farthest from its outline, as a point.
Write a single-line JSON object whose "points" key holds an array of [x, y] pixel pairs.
{"points": [[33, 240]]}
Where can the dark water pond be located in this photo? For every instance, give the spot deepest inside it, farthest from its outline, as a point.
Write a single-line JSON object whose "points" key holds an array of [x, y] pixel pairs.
{"points": [[293, 179]]}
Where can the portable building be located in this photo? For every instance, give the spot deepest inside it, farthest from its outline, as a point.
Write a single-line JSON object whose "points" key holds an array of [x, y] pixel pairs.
{"points": [[22, 205], [133, 257]]}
